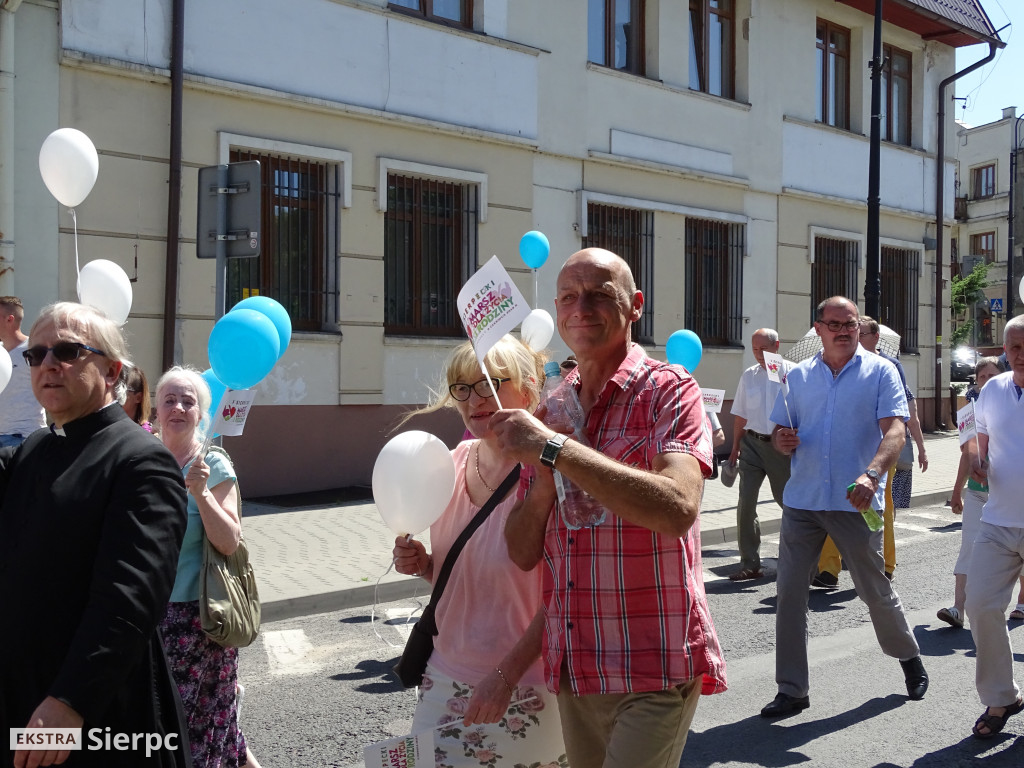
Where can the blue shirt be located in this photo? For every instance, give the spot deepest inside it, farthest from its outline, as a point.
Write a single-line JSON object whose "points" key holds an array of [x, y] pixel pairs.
{"points": [[190, 560], [837, 422]]}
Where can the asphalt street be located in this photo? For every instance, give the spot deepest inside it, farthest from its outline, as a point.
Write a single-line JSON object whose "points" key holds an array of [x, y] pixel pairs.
{"points": [[318, 688]]}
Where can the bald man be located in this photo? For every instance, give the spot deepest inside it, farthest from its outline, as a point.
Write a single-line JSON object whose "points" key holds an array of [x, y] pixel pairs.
{"points": [[630, 645]]}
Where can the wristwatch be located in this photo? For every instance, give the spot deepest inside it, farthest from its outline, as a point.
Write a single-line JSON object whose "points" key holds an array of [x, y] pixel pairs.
{"points": [[873, 474], [551, 449]]}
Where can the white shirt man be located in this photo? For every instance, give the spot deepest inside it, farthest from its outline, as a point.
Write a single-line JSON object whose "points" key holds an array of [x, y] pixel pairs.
{"points": [[999, 545], [751, 448], [20, 412]]}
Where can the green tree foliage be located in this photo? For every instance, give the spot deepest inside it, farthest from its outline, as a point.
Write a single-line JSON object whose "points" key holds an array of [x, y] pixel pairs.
{"points": [[965, 291]]}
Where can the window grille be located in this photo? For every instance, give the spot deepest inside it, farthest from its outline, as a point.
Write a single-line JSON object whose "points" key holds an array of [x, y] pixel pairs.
{"points": [[430, 249], [834, 271], [900, 274], [628, 233], [714, 280], [298, 264]]}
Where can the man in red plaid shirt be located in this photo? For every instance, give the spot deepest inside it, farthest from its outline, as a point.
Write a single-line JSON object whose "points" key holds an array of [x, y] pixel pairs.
{"points": [[629, 644]]}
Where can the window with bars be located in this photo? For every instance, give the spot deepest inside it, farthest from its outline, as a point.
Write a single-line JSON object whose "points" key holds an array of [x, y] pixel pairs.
{"points": [[455, 13], [983, 181], [298, 264], [834, 271], [896, 77], [833, 74], [984, 245], [714, 280], [430, 249], [615, 34], [900, 275], [713, 47], [630, 234]]}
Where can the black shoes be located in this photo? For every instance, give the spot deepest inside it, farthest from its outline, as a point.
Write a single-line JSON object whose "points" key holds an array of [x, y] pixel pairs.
{"points": [[916, 677], [785, 704], [825, 580]]}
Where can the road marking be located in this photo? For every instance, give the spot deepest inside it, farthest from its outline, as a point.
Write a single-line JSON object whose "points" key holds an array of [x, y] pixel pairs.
{"points": [[289, 652]]}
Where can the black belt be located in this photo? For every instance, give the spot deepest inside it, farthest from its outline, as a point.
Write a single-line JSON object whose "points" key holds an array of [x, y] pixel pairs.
{"points": [[759, 436]]}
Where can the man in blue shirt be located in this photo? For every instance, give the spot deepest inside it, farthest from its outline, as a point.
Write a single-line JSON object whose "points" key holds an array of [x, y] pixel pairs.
{"points": [[848, 409]]}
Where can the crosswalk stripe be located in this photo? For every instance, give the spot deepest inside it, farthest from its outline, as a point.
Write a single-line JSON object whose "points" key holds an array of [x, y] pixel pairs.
{"points": [[289, 652]]}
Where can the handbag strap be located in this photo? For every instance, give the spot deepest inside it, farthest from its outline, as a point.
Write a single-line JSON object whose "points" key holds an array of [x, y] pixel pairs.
{"points": [[453, 554]]}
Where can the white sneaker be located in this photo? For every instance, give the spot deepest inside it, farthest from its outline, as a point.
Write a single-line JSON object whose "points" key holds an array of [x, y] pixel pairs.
{"points": [[951, 616]]}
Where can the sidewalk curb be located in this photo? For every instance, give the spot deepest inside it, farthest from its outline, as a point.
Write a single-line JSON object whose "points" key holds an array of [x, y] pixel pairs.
{"points": [[343, 599]]}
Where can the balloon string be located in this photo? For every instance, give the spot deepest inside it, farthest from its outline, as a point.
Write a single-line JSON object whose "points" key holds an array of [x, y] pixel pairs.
{"points": [[78, 270], [376, 602], [536, 290]]}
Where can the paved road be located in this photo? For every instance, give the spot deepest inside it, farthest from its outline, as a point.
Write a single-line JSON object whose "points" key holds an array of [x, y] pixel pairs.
{"points": [[318, 687]]}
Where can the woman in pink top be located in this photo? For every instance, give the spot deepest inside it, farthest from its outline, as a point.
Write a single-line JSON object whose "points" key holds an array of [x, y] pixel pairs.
{"points": [[485, 678]]}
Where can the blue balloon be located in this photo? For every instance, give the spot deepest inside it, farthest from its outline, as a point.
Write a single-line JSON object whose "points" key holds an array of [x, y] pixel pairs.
{"points": [[277, 314], [684, 348], [534, 248], [243, 347], [217, 390]]}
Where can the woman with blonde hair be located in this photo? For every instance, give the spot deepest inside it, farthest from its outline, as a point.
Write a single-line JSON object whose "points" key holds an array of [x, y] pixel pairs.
{"points": [[484, 681], [205, 672]]}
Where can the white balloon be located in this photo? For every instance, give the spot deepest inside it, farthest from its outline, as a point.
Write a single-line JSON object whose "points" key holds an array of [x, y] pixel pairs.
{"points": [[5, 368], [68, 164], [1020, 289], [413, 481], [104, 285], [537, 329]]}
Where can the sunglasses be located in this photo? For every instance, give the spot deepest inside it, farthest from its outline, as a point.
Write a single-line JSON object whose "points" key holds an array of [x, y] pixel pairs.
{"points": [[63, 352], [462, 391]]}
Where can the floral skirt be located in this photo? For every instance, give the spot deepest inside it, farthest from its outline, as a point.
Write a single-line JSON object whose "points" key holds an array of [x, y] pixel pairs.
{"points": [[902, 482], [528, 736], [206, 675]]}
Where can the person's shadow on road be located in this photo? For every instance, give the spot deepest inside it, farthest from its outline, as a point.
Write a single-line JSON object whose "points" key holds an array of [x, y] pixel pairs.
{"points": [[774, 746]]}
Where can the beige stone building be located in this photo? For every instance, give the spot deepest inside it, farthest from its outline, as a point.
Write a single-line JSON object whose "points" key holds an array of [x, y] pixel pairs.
{"points": [[981, 232], [721, 147]]}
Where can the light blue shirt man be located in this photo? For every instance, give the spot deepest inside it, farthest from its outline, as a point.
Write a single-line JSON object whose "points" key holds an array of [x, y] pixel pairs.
{"points": [[837, 439]]}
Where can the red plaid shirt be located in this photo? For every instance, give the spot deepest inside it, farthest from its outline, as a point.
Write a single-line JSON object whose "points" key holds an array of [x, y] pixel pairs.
{"points": [[626, 604]]}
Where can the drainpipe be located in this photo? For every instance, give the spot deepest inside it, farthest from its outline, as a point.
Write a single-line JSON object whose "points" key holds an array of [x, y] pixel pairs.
{"points": [[940, 173], [174, 185], [7, 147]]}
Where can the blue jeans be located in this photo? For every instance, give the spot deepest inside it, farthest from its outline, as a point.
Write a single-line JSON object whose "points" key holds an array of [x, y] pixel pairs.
{"points": [[11, 441]]}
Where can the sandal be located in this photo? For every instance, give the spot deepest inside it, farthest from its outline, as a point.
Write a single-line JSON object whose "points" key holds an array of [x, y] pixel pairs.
{"points": [[1017, 614], [747, 574], [995, 723]]}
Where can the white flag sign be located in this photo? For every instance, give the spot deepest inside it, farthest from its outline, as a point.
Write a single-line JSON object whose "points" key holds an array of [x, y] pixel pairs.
{"points": [[232, 412], [401, 752], [713, 399], [965, 423], [490, 306]]}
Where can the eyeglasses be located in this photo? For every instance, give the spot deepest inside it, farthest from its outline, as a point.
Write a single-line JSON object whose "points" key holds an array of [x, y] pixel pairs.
{"points": [[868, 333], [461, 392], [63, 352], [835, 325]]}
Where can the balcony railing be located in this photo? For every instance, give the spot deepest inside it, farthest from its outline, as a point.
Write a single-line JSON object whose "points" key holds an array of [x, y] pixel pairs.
{"points": [[960, 208]]}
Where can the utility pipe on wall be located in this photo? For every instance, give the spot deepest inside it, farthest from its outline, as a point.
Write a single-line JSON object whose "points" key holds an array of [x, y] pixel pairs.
{"points": [[940, 201], [7, 148], [174, 185]]}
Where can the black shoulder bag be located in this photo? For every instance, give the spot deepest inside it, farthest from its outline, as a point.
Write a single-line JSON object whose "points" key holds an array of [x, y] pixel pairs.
{"points": [[413, 662]]}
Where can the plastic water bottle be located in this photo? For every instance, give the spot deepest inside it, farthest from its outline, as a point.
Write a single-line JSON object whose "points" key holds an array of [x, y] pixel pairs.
{"points": [[565, 414], [870, 515]]}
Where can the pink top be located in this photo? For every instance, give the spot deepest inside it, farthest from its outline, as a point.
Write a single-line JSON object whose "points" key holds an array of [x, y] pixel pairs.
{"points": [[489, 602]]}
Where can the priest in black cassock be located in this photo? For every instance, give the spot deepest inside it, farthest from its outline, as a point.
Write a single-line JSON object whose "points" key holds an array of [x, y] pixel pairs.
{"points": [[92, 514]]}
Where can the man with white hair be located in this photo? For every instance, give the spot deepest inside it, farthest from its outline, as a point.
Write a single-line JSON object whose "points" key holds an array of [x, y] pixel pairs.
{"points": [[751, 447], [997, 457]]}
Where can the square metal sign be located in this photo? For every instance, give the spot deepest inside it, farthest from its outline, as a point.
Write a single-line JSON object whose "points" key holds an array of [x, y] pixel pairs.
{"points": [[229, 210]]}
